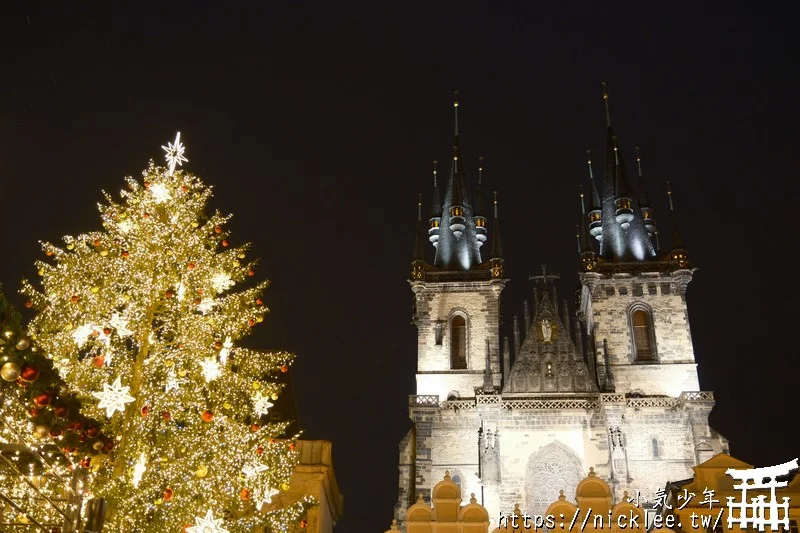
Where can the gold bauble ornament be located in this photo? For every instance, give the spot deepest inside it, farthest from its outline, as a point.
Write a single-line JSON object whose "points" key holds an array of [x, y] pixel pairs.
{"points": [[95, 289], [259, 319], [202, 471], [10, 371], [285, 486], [182, 373], [23, 343], [40, 431], [41, 272], [226, 405], [70, 246], [274, 396]]}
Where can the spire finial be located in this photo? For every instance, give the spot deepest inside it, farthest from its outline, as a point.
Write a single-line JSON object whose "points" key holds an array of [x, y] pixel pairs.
{"points": [[435, 172], [605, 99], [495, 204], [455, 110], [480, 170], [578, 237], [638, 160], [669, 195], [616, 150], [589, 163], [419, 207]]}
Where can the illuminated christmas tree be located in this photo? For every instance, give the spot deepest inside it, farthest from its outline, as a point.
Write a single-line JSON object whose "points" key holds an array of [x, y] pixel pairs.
{"points": [[141, 320]]}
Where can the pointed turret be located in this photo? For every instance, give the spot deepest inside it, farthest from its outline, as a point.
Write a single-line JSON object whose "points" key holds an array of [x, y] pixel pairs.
{"points": [[623, 201], [678, 252], [457, 183], [497, 250], [480, 219], [595, 207], [418, 260], [644, 200], [436, 209]]}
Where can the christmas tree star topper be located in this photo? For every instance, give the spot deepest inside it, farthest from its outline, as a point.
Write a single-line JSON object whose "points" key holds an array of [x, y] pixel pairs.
{"points": [[174, 154]]}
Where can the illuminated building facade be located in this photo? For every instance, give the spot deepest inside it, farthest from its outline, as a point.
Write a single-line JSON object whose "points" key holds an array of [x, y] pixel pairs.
{"points": [[611, 387]]}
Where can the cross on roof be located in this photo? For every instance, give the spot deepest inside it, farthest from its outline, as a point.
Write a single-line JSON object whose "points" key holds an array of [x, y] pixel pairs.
{"points": [[544, 276]]}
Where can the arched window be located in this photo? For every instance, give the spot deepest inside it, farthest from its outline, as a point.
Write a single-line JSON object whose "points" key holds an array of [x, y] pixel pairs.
{"points": [[458, 343], [457, 480], [643, 346], [656, 450]]}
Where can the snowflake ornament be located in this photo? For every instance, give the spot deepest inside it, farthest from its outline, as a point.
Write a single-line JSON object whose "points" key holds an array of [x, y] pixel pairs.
{"points": [[120, 323], [266, 497], [173, 381], [81, 334], [261, 404], [206, 305], [253, 469], [207, 524], [113, 398], [174, 154], [160, 193], [226, 350], [211, 369]]}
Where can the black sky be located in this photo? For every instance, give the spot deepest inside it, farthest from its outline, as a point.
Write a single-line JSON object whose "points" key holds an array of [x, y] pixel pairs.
{"points": [[318, 130]]}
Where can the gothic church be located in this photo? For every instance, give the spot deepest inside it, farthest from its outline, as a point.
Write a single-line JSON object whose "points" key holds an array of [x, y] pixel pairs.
{"points": [[613, 387]]}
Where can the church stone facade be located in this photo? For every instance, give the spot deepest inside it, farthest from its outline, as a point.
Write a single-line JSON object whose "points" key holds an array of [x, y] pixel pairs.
{"points": [[611, 388]]}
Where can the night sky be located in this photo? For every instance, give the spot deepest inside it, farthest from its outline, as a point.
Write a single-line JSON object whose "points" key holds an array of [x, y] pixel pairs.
{"points": [[317, 132]]}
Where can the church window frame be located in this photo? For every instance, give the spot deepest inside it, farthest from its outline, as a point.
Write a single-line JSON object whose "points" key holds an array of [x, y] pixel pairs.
{"points": [[461, 316], [656, 449], [640, 322]]}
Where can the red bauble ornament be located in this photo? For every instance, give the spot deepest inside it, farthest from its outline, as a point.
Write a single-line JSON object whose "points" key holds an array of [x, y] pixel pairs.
{"points": [[292, 446], [85, 462], [48, 253], [251, 323], [146, 215], [225, 243], [92, 431], [126, 253], [99, 361], [218, 345], [145, 410], [165, 415], [303, 523], [35, 411], [168, 494], [75, 298], [60, 411], [184, 188], [43, 399], [284, 368], [96, 242], [251, 273], [197, 301], [259, 450], [191, 265], [107, 331], [207, 416], [108, 446], [244, 494], [218, 229], [169, 294], [75, 426], [259, 301], [28, 304], [255, 427]]}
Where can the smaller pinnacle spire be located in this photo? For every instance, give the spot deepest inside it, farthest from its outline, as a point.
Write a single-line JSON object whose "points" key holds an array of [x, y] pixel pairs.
{"points": [[578, 237], [436, 206], [583, 205], [605, 99], [419, 242], [497, 250], [589, 163], [419, 207], [616, 150], [480, 170], [638, 160], [455, 110], [669, 195], [435, 173]]}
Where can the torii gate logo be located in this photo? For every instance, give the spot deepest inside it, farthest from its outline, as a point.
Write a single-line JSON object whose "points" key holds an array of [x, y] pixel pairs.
{"points": [[755, 512]]}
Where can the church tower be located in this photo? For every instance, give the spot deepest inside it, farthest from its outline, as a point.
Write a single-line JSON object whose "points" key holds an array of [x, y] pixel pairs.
{"points": [[457, 298], [633, 296]]}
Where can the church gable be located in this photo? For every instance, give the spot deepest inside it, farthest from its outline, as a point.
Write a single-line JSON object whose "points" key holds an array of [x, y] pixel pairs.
{"points": [[548, 360]]}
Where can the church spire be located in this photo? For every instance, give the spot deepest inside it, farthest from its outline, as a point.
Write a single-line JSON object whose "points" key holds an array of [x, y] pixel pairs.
{"points": [[436, 210], [458, 244], [418, 260]]}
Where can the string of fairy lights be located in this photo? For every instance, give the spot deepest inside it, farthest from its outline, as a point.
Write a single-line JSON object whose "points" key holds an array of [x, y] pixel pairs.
{"points": [[141, 321]]}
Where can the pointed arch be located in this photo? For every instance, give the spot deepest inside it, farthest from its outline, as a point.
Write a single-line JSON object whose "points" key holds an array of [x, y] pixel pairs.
{"points": [[553, 468], [458, 323], [643, 333]]}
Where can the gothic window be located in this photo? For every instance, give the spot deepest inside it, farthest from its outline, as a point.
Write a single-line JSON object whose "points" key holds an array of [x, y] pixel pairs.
{"points": [[555, 467], [656, 449], [642, 335], [457, 480], [458, 343]]}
